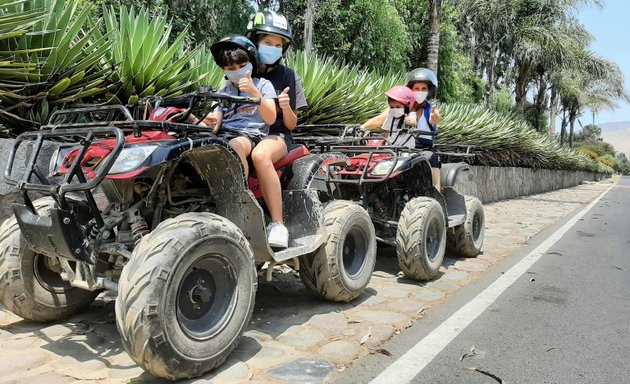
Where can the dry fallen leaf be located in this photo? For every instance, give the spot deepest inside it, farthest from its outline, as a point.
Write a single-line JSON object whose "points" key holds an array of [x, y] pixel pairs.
{"points": [[381, 351], [366, 336], [497, 378], [471, 353]]}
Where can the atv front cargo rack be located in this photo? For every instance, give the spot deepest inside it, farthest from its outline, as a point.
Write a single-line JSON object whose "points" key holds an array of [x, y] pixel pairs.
{"points": [[87, 137]]}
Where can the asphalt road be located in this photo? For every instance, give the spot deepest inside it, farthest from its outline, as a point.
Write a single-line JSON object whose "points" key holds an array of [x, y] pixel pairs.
{"points": [[565, 320]]}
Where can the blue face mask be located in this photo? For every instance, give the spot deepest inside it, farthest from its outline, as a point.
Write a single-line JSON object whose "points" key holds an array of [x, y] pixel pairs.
{"points": [[269, 55], [235, 76]]}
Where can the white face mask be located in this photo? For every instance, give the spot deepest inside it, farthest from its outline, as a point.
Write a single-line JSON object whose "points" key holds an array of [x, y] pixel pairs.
{"points": [[396, 113], [235, 76], [421, 96]]}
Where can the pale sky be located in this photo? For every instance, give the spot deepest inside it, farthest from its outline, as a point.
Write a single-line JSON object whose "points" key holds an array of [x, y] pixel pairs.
{"points": [[611, 27]]}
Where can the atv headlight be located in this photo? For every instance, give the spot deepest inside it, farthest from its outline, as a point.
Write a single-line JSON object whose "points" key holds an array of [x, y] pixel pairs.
{"points": [[383, 168], [57, 159], [131, 157]]}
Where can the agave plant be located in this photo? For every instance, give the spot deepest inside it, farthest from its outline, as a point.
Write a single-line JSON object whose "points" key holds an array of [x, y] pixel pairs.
{"points": [[145, 62], [503, 140], [204, 68], [340, 94], [52, 59], [16, 18]]}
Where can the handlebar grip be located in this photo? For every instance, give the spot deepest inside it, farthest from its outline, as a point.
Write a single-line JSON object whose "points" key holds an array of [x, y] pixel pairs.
{"points": [[175, 102], [417, 132], [247, 100], [232, 98]]}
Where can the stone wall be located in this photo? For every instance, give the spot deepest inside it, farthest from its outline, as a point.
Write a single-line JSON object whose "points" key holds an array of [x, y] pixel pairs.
{"points": [[500, 183]]}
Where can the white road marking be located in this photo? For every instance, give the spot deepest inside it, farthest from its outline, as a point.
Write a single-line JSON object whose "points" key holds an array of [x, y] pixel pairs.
{"points": [[419, 356]]}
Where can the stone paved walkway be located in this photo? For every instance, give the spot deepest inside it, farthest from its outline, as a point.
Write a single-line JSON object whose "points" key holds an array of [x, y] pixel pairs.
{"points": [[293, 337]]}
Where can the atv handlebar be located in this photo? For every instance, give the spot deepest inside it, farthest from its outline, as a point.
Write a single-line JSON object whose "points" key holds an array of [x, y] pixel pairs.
{"points": [[231, 98], [420, 132], [192, 99]]}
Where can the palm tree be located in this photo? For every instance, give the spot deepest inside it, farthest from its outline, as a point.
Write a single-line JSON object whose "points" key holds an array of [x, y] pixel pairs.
{"points": [[513, 40], [309, 21], [599, 87], [539, 61], [433, 41], [488, 24], [549, 44]]}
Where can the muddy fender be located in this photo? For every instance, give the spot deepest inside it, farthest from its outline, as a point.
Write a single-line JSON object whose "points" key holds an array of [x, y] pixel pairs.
{"points": [[450, 172]]}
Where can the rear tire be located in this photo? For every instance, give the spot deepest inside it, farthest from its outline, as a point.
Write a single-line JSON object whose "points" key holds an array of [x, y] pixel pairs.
{"points": [[421, 238], [186, 295], [466, 239], [342, 268], [30, 283]]}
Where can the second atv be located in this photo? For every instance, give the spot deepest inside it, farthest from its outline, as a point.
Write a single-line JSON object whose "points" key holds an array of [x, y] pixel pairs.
{"points": [[394, 184]]}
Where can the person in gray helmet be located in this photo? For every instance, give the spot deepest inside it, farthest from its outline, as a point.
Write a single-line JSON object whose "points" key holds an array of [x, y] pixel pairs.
{"points": [[424, 115]]}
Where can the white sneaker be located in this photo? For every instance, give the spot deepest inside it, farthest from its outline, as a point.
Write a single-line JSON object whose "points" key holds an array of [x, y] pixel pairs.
{"points": [[277, 235]]}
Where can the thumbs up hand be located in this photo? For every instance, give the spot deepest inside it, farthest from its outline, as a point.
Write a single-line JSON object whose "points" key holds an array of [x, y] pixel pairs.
{"points": [[434, 116], [284, 100], [246, 85]]}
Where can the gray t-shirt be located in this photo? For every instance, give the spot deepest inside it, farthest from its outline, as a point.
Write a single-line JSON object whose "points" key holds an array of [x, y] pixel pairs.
{"points": [[245, 117]]}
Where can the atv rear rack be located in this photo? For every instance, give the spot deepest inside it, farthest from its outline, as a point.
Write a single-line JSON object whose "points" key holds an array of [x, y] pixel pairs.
{"points": [[394, 152], [370, 151], [452, 152]]}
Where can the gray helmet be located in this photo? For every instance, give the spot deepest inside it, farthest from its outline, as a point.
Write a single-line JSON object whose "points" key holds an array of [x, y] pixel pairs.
{"points": [[423, 75], [236, 41]]}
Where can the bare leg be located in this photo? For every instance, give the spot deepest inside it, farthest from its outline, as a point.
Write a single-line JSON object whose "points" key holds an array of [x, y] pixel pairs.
{"points": [[242, 146], [265, 154], [436, 178]]}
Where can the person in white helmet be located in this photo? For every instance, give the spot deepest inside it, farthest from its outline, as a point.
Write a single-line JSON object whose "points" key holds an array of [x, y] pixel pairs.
{"points": [[271, 32]]}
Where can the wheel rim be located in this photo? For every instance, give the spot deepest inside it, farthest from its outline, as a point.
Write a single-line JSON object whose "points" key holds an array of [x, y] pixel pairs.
{"points": [[433, 239], [206, 297], [47, 272], [355, 248]]}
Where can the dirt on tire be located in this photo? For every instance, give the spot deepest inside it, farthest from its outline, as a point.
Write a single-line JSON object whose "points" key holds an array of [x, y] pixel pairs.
{"points": [[151, 310], [421, 238], [342, 268], [466, 240], [30, 283]]}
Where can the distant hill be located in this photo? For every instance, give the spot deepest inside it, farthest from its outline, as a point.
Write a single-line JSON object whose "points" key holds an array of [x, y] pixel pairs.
{"points": [[617, 134]]}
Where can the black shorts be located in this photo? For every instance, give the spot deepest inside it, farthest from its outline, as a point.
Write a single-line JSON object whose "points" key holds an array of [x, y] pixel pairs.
{"points": [[252, 138], [433, 158], [286, 137]]}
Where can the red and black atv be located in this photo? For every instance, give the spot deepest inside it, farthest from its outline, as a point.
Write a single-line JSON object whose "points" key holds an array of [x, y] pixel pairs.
{"points": [[160, 212], [394, 184]]}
